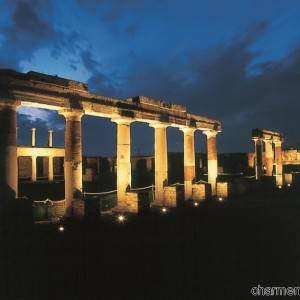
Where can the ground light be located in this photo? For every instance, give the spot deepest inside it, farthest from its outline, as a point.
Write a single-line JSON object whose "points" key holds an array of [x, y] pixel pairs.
{"points": [[220, 199], [121, 218], [61, 228], [196, 204], [289, 185], [280, 187], [164, 210]]}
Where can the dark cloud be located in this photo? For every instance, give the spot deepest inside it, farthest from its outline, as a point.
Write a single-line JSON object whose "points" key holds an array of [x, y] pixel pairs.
{"points": [[30, 30], [98, 81], [112, 10], [216, 82]]}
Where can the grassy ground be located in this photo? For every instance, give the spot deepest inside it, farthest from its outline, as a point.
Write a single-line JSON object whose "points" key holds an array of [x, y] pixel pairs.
{"points": [[216, 251]]}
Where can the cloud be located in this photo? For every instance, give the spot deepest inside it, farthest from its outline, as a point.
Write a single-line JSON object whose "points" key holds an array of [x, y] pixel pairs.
{"points": [[99, 81], [111, 10], [29, 30], [216, 82], [35, 116]]}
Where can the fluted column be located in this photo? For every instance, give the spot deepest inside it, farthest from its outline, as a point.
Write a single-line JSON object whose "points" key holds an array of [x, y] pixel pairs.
{"points": [[259, 170], [33, 137], [123, 161], [50, 138], [73, 157], [33, 168], [269, 157], [278, 162], [8, 151], [212, 159], [189, 161], [50, 168], [160, 161]]}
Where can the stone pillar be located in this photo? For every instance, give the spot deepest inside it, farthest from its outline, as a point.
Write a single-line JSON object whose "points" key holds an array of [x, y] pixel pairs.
{"points": [[50, 169], [259, 170], [278, 162], [8, 152], [50, 138], [189, 161], [269, 157], [123, 161], [33, 168], [33, 137], [160, 162], [73, 157], [212, 159]]}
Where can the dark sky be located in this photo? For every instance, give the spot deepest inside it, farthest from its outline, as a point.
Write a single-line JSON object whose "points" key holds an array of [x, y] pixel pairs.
{"points": [[237, 61]]}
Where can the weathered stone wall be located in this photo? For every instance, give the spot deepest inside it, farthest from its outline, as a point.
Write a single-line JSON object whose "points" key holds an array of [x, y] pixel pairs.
{"points": [[24, 167]]}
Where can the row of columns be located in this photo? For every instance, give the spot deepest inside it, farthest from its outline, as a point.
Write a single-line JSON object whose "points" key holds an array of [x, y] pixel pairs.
{"points": [[73, 156], [271, 156]]}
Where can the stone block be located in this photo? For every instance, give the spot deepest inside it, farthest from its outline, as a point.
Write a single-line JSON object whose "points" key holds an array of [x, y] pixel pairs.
{"points": [[201, 191], [288, 178], [136, 202], [224, 189], [173, 195]]}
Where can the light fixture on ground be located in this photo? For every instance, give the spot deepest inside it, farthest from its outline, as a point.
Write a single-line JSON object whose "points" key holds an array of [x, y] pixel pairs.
{"points": [[196, 203], [164, 210], [61, 228], [220, 199], [121, 218], [288, 184]]}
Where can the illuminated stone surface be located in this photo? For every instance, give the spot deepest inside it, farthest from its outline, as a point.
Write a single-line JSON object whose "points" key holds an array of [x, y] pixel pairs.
{"points": [[72, 99], [189, 161], [212, 159]]}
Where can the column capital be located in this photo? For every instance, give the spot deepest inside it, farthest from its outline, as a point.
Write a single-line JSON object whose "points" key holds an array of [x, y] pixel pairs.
{"points": [[210, 133], [122, 121], [256, 139], [72, 114], [159, 125], [187, 130], [278, 143]]}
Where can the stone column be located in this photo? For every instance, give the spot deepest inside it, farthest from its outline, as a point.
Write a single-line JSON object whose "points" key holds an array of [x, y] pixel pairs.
{"points": [[189, 161], [8, 151], [50, 168], [160, 162], [212, 159], [50, 138], [73, 157], [278, 162], [123, 161], [259, 170], [33, 137], [33, 168], [269, 157]]}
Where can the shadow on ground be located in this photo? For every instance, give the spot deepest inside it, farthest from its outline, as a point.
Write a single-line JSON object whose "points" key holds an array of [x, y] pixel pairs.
{"points": [[216, 251]]}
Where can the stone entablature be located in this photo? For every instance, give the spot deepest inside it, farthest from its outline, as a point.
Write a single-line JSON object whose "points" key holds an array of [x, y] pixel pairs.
{"points": [[52, 92]]}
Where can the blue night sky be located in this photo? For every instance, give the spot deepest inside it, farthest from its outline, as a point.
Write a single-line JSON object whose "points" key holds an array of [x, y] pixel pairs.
{"points": [[237, 61]]}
